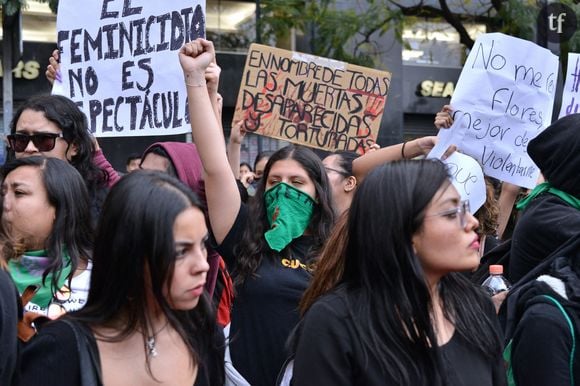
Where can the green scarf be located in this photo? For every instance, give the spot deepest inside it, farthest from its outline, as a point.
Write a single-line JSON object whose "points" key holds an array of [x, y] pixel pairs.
{"points": [[28, 270], [289, 211], [547, 187]]}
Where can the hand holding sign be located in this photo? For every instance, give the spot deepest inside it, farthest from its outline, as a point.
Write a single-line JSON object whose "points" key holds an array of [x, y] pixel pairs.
{"points": [[53, 69]]}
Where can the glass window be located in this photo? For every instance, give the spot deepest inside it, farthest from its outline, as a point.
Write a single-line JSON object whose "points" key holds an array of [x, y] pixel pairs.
{"points": [[433, 41], [231, 24]]}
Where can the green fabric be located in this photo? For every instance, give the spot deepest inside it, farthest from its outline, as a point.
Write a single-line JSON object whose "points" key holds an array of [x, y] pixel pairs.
{"points": [[507, 357], [28, 270], [571, 327], [289, 211], [507, 352], [574, 202]]}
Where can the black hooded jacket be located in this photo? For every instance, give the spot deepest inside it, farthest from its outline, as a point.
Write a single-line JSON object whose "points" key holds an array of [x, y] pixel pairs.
{"points": [[541, 335], [548, 221]]}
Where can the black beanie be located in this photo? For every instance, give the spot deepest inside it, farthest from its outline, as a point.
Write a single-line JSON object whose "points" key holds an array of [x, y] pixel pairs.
{"points": [[556, 151]]}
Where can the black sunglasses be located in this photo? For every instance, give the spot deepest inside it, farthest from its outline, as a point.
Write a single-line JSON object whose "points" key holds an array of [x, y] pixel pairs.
{"points": [[42, 141]]}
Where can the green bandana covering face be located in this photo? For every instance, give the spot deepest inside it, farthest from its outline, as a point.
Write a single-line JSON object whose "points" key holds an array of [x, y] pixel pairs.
{"points": [[547, 187], [289, 212], [28, 270]]}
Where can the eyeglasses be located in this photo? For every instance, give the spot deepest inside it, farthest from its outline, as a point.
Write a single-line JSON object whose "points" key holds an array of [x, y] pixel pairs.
{"points": [[341, 172], [459, 211], [42, 141]]}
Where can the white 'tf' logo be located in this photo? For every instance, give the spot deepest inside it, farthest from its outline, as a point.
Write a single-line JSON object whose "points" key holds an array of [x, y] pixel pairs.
{"points": [[559, 19]]}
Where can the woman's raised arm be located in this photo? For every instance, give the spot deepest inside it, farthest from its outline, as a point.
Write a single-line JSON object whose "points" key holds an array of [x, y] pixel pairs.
{"points": [[223, 197]]}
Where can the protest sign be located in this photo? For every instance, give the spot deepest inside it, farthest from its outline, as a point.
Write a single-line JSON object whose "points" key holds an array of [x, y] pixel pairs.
{"points": [[119, 63], [467, 177], [310, 100], [503, 99], [570, 95]]}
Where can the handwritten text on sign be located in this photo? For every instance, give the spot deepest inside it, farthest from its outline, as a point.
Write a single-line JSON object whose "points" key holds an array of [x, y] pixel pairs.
{"points": [[503, 99], [570, 94], [309, 100], [119, 63], [467, 177]]}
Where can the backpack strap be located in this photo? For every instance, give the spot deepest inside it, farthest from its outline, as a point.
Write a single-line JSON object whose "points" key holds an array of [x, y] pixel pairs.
{"points": [[571, 326], [90, 366], [507, 353]]}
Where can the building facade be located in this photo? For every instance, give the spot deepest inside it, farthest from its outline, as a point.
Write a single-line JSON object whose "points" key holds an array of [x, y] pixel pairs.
{"points": [[425, 66]]}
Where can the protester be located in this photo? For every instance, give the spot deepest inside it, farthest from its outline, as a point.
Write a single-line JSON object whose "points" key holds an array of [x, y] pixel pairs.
{"points": [[551, 212], [270, 262], [246, 173], [9, 315], [53, 126], [133, 162], [45, 209], [260, 164], [400, 313], [147, 320], [343, 183], [417, 147], [181, 160], [488, 216], [543, 311]]}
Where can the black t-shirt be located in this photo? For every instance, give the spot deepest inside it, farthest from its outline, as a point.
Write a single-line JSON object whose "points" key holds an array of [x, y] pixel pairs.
{"points": [[546, 224], [330, 352], [541, 348], [265, 308], [8, 334]]}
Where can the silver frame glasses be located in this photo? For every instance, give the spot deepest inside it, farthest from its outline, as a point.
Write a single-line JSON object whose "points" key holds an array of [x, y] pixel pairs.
{"points": [[460, 210]]}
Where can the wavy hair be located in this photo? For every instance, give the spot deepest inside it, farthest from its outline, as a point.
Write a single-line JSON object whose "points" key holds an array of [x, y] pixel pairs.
{"points": [[72, 230], [65, 114]]}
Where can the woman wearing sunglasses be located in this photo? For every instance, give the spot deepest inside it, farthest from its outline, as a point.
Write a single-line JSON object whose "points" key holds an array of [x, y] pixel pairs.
{"points": [[400, 313], [53, 126], [45, 210]]}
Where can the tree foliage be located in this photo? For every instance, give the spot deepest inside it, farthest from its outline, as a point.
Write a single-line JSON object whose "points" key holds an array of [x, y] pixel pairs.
{"points": [[344, 34], [347, 34], [12, 6]]}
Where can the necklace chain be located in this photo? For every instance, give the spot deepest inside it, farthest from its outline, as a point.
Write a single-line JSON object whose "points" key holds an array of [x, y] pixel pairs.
{"points": [[150, 346], [151, 349]]}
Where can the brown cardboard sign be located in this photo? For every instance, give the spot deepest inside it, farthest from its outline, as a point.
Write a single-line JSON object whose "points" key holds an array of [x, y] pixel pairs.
{"points": [[310, 100]]}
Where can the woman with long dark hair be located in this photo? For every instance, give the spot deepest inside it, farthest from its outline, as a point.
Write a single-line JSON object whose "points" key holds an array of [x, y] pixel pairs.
{"points": [[268, 246], [146, 315], [400, 314], [45, 209]]}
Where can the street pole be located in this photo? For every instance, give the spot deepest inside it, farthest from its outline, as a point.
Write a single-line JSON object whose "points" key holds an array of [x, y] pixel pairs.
{"points": [[7, 97], [11, 52]]}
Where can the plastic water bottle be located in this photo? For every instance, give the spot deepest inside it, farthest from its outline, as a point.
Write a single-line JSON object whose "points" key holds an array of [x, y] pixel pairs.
{"points": [[496, 283]]}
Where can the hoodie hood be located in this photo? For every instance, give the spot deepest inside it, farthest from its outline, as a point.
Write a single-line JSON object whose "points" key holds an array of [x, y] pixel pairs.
{"points": [[186, 162], [556, 151]]}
